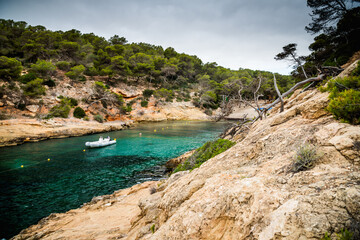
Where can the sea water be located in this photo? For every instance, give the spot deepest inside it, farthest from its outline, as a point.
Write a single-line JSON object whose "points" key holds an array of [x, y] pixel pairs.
{"points": [[37, 179]]}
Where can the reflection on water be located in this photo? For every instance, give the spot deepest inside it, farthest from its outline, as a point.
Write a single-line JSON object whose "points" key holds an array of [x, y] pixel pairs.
{"points": [[58, 175]]}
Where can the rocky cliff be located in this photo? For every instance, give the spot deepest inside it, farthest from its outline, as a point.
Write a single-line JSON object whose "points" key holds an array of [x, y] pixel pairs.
{"points": [[246, 192]]}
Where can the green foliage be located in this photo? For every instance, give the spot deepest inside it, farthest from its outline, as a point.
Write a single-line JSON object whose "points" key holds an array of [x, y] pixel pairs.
{"points": [[356, 71], [28, 77], [49, 83], [205, 152], [209, 100], [164, 93], [147, 93], [345, 99], [34, 88], [102, 85], [73, 102], [135, 62], [10, 68], [63, 65], [346, 106], [152, 228], [144, 103], [43, 68], [343, 235], [99, 118], [61, 110], [76, 72], [79, 112], [305, 158]]}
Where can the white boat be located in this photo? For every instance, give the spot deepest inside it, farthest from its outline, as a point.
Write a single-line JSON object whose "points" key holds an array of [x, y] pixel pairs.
{"points": [[102, 142]]}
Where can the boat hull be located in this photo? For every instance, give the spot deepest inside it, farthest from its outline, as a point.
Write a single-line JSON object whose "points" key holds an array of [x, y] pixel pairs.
{"points": [[98, 144]]}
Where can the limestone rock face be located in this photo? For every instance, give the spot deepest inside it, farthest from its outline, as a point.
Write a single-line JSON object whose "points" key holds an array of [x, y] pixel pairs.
{"points": [[247, 191], [18, 131]]}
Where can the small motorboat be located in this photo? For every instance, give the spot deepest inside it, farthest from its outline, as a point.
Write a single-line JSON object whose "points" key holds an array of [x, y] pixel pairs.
{"points": [[102, 142]]}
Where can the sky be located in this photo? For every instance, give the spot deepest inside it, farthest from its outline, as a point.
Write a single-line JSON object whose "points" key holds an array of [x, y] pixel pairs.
{"points": [[233, 33]]}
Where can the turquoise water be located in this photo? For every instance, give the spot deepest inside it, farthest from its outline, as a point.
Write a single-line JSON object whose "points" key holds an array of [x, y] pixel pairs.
{"points": [[73, 176]]}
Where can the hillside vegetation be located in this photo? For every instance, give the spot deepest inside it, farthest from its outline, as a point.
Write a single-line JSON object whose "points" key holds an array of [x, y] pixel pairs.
{"points": [[33, 57]]}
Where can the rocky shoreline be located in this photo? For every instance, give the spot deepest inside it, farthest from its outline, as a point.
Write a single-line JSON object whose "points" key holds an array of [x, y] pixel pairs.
{"points": [[18, 131], [245, 192]]}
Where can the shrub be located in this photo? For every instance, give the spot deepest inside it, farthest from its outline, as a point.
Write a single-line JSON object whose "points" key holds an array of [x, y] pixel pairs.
{"points": [[61, 110], [79, 112], [147, 93], [73, 102], [91, 71], [205, 152], [164, 93], [76, 72], [10, 68], [343, 235], [102, 85], [28, 77], [344, 99], [99, 118], [305, 158], [49, 83], [34, 88], [209, 99], [63, 65], [144, 103], [356, 71], [346, 106], [43, 68]]}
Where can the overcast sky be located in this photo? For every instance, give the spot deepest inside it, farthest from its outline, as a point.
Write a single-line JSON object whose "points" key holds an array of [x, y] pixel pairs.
{"points": [[234, 33]]}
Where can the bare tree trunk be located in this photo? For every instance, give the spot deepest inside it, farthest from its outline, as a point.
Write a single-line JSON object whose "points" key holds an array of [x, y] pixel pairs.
{"points": [[299, 84], [279, 94]]}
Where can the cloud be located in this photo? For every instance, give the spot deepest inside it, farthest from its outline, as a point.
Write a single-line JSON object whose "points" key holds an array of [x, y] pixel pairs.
{"points": [[233, 33]]}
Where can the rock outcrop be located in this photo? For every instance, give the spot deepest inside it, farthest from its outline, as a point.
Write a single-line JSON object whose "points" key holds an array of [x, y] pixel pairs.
{"points": [[245, 192], [18, 131]]}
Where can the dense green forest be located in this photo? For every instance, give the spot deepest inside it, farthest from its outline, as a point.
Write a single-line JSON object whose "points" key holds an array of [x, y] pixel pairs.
{"points": [[32, 55], [41, 52]]}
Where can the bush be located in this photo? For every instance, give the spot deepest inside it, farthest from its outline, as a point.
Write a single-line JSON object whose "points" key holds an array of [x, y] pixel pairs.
{"points": [[43, 68], [63, 65], [147, 93], [73, 102], [356, 71], [79, 112], [102, 85], [99, 118], [10, 68], [28, 77], [76, 73], [91, 71], [49, 83], [144, 103], [34, 88], [345, 99], [305, 158], [202, 154], [346, 106], [61, 110], [343, 235], [164, 93]]}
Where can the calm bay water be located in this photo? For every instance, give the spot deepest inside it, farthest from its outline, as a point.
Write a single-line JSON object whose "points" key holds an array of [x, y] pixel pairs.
{"points": [[57, 175]]}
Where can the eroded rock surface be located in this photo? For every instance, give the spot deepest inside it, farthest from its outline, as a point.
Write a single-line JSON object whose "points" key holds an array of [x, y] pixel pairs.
{"points": [[246, 192], [18, 131]]}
